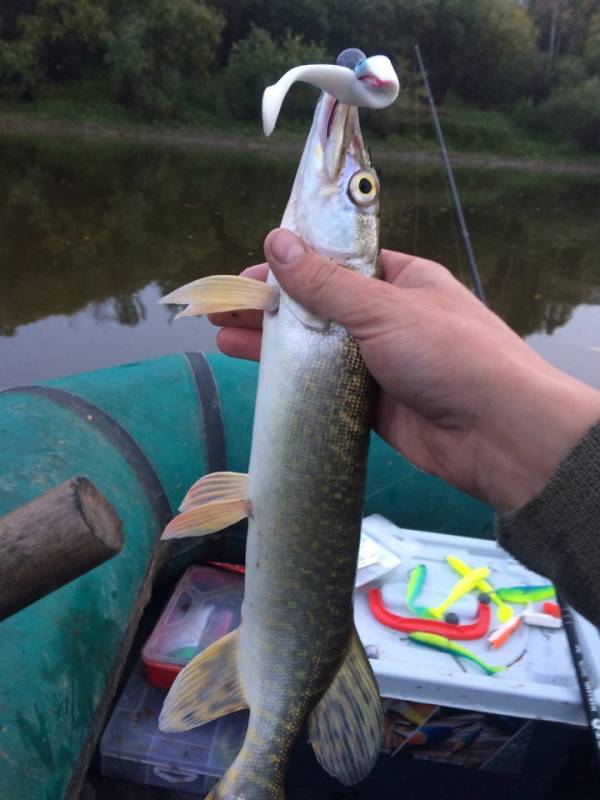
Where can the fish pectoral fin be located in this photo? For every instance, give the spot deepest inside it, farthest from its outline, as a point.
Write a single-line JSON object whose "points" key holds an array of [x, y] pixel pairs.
{"points": [[217, 293], [346, 727], [218, 486], [207, 688], [207, 518], [211, 504]]}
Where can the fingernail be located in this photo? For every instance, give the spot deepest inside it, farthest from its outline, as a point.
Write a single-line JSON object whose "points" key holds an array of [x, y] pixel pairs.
{"points": [[286, 247]]}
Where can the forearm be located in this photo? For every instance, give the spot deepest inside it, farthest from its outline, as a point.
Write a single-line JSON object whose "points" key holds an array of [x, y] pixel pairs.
{"points": [[538, 415], [556, 533]]}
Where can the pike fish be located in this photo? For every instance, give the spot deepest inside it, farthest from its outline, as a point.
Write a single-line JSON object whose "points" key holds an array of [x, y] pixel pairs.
{"points": [[296, 658]]}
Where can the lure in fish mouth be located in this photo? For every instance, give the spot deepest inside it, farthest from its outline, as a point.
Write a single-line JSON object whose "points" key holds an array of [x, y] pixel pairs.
{"points": [[296, 658], [353, 80]]}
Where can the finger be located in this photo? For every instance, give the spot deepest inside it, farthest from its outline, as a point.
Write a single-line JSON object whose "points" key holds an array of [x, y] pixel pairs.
{"points": [[411, 272], [237, 319], [258, 271], [240, 343], [322, 286], [394, 263], [243, 319]]}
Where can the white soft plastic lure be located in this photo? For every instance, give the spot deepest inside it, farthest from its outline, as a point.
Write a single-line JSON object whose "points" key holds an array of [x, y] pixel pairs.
{"points": [[371, 83]]}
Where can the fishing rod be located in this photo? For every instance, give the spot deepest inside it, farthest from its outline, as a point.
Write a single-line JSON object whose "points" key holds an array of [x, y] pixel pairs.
{"points": [[588, 698], [464, 232]]}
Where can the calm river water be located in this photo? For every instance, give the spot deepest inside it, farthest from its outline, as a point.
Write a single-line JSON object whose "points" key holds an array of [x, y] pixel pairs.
{"points": [[93, 233]]}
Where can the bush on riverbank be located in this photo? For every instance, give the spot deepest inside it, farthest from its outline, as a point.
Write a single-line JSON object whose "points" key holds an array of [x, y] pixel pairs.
{"points": [[151, 54]]}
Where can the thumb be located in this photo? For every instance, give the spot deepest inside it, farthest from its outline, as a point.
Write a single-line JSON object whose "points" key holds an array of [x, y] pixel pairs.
{"points": [[319, 284]]}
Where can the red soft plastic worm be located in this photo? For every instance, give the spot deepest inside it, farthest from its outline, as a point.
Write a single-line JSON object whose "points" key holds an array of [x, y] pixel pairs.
{"points": [[474, 630]]}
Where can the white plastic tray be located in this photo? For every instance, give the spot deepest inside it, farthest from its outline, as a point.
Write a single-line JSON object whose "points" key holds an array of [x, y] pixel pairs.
{"points": [[540, 684]]}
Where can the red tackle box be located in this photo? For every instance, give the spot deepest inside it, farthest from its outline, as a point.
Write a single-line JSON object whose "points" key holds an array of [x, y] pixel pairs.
{"points": [[205, 605]]}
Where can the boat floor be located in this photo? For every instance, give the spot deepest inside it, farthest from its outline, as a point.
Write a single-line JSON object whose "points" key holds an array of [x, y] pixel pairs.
{"points": [[100, 788]]}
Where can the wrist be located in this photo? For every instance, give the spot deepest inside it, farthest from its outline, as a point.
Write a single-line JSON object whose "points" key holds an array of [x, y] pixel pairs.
{"points": [[539, 419]]}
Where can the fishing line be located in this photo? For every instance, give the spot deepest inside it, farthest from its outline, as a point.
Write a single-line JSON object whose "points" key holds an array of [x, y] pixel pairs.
{"points": [[387, 486], [417, 201], [455, 232], [450, 176]]}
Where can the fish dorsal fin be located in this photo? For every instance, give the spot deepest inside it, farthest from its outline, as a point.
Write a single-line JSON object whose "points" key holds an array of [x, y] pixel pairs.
{"points": [[207, 688], [346, 727]]}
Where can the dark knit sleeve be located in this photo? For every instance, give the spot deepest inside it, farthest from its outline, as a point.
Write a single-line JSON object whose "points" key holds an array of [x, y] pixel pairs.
{"points": [[558, 532]]}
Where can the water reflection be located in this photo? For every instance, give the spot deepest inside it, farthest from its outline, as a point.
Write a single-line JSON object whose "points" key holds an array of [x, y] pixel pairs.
{"points": [[91, 233]]}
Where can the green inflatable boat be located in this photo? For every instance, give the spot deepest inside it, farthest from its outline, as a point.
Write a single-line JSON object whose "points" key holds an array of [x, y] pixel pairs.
{"points": [[142, 433]]}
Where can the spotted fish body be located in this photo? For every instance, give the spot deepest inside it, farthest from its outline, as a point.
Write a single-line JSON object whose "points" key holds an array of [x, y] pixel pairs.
{"points": [[296, 657], [306, 476]]}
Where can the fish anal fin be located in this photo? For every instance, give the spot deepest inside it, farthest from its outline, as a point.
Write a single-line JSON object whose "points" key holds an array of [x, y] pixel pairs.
{"points": [[223, 293], [346, 727], [207, 688], [218, 486]]}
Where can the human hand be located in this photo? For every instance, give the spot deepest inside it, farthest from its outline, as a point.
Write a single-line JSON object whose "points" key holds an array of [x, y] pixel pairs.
{"points": [[461, 395]]}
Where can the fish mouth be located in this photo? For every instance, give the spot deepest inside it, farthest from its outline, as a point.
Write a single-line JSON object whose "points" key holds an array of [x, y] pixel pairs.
{"points": [[341, 137]]}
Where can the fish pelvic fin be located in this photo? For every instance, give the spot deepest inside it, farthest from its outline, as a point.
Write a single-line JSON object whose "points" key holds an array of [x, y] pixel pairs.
{"points": [[346, 727], [211, 504], [223, 293], [207, 688], [210, 687]]}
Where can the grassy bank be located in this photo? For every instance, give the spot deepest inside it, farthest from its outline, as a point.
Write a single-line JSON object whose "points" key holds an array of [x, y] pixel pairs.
{"points": [[474, 137]]}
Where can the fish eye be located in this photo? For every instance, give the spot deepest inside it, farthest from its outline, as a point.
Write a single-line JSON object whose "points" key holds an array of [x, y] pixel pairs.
{"points": [[363, 188]]}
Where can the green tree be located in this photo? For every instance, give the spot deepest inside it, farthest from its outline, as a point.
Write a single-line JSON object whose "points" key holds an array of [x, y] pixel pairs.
{"points": [[259, 60], [569, 71], [503, 63], [310, 19], [56, 40], [159, 50], [238, 16], [66, 35], [19, 70], [574, 112], [591, 46], [561, 26], [10, 11]]}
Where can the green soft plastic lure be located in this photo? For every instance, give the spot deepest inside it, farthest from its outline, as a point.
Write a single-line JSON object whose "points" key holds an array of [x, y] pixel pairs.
{"points": [[416, 579], [446, 646], [527, 594]]}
